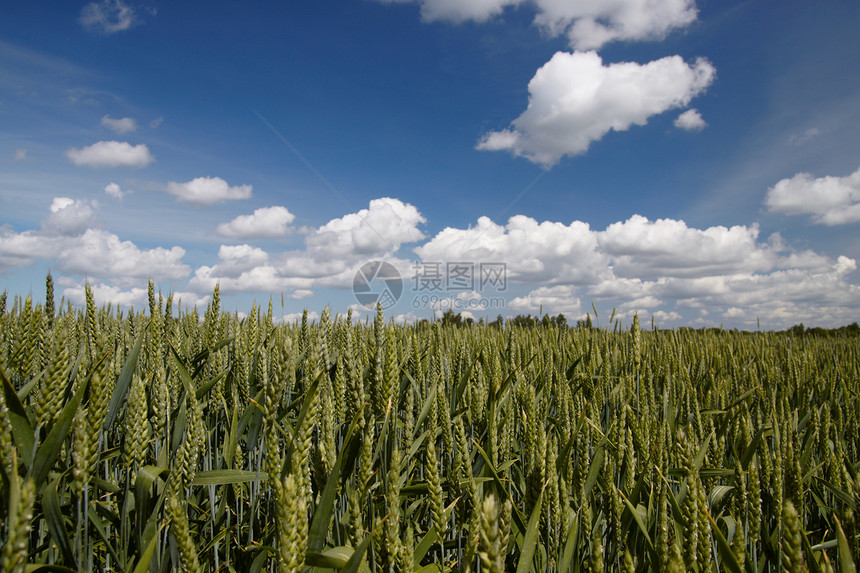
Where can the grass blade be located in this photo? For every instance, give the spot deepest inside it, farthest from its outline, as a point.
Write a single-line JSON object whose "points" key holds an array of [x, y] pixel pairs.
{"points": [[54, 519], [225, 477], [48, 451], [325, 507], [846, 562], [124, 380], [729, 561], [22, 429], [529, 544]]}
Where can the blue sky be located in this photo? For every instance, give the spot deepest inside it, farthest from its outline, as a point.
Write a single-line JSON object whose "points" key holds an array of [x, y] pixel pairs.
{"points": [[694, 162]]}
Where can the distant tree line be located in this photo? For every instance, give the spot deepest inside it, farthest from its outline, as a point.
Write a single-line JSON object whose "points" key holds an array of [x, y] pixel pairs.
{"points": [[525, 321], [852, 329], [559, 320]]}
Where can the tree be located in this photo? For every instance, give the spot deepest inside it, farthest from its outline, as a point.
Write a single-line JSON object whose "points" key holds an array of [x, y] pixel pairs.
{"points": [[450, 317]]}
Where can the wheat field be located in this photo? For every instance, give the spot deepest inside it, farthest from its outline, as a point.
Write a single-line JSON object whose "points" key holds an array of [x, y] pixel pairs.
{"points": [[153, 442]]}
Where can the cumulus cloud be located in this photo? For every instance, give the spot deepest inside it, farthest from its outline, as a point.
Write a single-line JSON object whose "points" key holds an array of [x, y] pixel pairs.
{"points": [[23, 249], [108, 16], [301, 293], [829, 200], [575, 100], [460, 10], [111, 154], [545, 252], [380, 229], [68, 235], [462, 303], [406, 318], [236, 259], [258, 279], [115, 191], [660, 268], [264, 223], [587, 24], [296, 317], [780, 297], [669, 248], [691, 120], [559, 298], [663, 268], [785, 296], [69, 217], [105, 293], [119, 126], [101, 254], [663, 319], [554, 253], [331, 255], [590, 25], [205, 191]]}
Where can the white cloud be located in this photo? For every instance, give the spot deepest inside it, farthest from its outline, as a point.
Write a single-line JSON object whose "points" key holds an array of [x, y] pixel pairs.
{"points": [[265, 223], [668, 248], [378, 230], [661, 317], [156, 122], [263, 278], [545, 252], [69, 217], [119, 126], [406, 318], [100, 254], [586, 23], [23, 249], [104, 294], [332, 254], [575, 100], [236, 259], [134, 297], [639, 304], [659, 268], [108, 16], [20, 155], [301, 293], [734, 312], [463, 303], [68, 236], [359, 313], [463, 10], [111, 154], [243, 268], [590, 25], [62, 229], [558, 299], [296, 317], [663, 268], [60, 203], [115, 191], [783, 296], [691, 120], [205, 191], [829, 200]]}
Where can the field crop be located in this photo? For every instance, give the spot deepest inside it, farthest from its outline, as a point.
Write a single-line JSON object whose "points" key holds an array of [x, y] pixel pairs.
{"points": [[148, 441]]}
